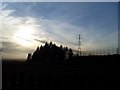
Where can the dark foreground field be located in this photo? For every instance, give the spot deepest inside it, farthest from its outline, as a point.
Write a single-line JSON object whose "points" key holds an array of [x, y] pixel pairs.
{"points": [[84, 72]]}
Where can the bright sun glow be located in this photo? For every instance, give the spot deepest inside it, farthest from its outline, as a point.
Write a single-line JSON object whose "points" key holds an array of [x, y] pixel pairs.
{"points": [[24, 35]]}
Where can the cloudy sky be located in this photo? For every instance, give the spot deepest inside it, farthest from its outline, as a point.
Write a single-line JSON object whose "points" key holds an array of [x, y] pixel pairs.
{"points": [[26, 25]]}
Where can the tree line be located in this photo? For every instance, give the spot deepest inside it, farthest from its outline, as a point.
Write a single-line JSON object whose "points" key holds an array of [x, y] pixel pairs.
{"points": [[51, 53]]}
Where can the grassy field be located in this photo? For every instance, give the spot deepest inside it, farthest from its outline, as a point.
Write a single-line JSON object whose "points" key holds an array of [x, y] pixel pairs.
{"points": [[82, 72]]}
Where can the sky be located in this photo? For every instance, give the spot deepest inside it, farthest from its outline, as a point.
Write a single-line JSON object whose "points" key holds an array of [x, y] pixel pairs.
{"points": [[26, 25], [61, 0]]}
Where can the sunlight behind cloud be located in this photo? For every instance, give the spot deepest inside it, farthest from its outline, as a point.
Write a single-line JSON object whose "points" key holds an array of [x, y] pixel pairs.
{"points": [[39, 24], [23, 36]]}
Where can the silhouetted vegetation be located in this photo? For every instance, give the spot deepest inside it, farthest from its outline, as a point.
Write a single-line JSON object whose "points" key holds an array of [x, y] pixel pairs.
{"points": [[51, 53], [51, 66]]}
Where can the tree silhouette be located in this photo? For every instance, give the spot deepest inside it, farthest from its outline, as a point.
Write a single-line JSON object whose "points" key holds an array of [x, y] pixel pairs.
{"points": [[36, 54], [51, 53], [70, 54], [29, 57]]}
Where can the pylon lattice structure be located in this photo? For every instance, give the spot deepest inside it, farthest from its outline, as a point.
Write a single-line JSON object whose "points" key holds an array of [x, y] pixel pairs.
{"points": [[79, 46]]}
